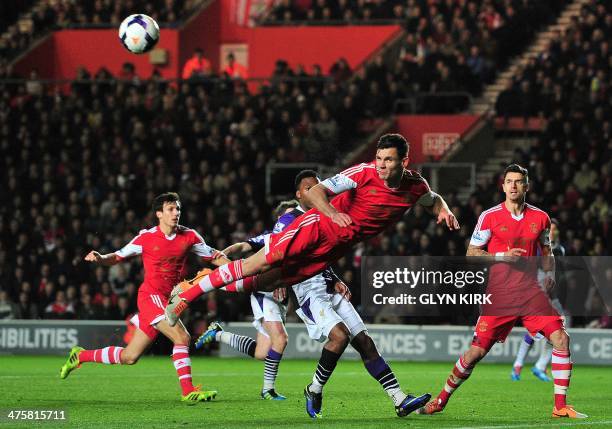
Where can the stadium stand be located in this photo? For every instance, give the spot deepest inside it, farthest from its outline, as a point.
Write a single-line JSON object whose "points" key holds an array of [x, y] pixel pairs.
{"points": [[80, 167]]}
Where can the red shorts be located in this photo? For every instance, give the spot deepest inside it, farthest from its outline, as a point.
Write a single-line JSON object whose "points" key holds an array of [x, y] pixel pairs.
{"points": [[491, 329], [308, 247], [150, 311]]}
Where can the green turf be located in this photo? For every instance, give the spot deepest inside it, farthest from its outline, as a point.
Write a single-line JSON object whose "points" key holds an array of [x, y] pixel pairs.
{"points": [[146, 396]]}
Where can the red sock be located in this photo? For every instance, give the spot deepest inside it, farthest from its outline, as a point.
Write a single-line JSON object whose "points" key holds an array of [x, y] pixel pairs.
{"points": [[222, 276], [247, 285], [182, 363], [108, 355], [461, 372], [561, 371]]}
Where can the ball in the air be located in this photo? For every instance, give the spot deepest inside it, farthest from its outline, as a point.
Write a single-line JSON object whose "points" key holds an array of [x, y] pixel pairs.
{"points": [[139, 33]]}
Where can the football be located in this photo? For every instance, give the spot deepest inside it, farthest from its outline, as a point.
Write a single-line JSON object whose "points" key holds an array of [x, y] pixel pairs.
{"points": [[139, 33]]}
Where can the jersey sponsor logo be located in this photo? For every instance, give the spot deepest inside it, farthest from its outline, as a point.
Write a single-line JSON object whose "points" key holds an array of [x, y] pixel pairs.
{"points": [[373, 191]]}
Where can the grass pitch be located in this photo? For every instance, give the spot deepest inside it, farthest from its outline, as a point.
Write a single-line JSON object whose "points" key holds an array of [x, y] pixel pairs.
{"points": [[147, 396]]}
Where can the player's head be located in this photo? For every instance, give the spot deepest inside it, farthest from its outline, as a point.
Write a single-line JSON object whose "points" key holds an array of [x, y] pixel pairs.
{"points": [[391, 156], [516, 183], [304, 180], [167, 208], [554, 230], [284, 207]]}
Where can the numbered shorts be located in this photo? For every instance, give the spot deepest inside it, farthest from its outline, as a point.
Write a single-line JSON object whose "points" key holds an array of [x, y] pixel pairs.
{"points": [[150, 312], [322, 312], [266, 309]]}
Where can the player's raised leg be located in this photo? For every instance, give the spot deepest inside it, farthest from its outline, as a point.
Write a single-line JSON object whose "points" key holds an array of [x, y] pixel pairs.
{"points": [[242, 269], [562, 372], [111, 355], [379, 369], [182, 363], [519, 362]]}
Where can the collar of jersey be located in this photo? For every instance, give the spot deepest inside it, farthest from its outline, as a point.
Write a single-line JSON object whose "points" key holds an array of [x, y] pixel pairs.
{"points": [[517, 218], [167, 237]]}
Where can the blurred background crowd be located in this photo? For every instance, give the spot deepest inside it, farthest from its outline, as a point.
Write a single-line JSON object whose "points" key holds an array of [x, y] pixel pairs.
{"points": [[81, 163]]}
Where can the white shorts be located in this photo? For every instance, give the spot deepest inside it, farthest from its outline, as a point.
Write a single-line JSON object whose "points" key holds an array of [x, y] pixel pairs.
{"points": [[266, 309], [321, 312]]}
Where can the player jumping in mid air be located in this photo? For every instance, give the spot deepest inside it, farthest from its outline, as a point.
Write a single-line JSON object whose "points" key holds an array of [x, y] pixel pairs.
{"points": [[511, 231], [164, 251], [324, 306], [369, 198]]}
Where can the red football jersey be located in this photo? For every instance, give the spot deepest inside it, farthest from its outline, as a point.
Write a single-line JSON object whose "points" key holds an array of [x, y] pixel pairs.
{"points": [[499, 231], [164, 257], [370, 203]]}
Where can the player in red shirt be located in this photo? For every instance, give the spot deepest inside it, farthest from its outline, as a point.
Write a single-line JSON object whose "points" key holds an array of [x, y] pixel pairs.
{"points": [[369, 198], [510, 232], [164, 251]]}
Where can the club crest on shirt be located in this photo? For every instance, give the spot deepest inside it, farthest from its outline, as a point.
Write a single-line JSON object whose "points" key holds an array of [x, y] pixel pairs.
{"points": [[482, 326], [373, 191], [533, 227], [503, 228], [155, 248]]}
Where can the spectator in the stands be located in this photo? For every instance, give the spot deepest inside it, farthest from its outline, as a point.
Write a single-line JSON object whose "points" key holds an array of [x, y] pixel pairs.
{"points": [[234, 69], [197, 66]]}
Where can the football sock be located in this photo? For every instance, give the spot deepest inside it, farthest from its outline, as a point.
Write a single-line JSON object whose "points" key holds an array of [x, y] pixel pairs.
{"points": [[246, 285], [561, 372], [461, 372], [271, 368], [108, 355], [222, 276], [241, 343], [545, 355], [182, 363], [327, 364], [380, 370], [522, 352]]}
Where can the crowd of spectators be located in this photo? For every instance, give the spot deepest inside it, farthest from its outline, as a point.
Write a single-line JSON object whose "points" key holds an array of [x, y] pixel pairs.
{"points": [[37, 18], [454, 39], [81, 165], [83, 177]]}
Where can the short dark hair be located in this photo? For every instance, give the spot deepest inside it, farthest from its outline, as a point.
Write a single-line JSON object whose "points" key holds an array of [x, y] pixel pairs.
{"points": [[284, 205], [303, 175], [515, 168], [166, 197], [394, 140]]}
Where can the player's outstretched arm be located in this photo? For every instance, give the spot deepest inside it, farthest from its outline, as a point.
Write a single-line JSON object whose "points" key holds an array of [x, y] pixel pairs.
{"points": [[237, 249], [317, 197], [106, 260], [443, 213]]}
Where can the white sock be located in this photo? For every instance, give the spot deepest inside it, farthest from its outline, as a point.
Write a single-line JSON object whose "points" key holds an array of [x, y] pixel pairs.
{"points": [[522, 353], [397, 396], [545, 355]]}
